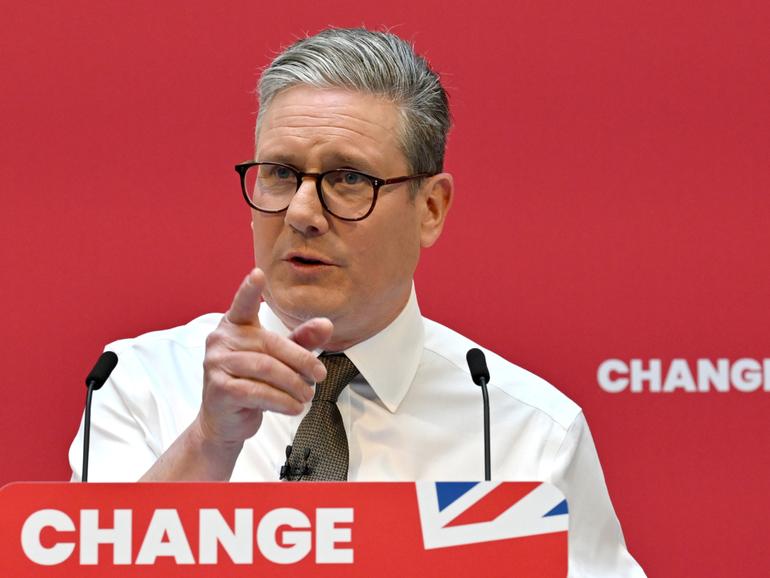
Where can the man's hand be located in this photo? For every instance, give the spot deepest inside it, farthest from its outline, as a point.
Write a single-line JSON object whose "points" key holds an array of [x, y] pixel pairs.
{"points": [[247, 370]]}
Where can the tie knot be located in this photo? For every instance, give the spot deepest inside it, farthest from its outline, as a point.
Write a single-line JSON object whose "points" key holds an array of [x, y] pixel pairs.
{"points": [[340, 371]]}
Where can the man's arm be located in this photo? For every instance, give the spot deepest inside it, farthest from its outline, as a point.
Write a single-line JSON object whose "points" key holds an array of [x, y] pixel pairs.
{"points": [[596, 548], [247, 370]]}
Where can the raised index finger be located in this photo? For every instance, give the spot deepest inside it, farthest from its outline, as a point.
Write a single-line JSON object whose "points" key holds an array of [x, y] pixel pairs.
{"points": [[245, 307]]}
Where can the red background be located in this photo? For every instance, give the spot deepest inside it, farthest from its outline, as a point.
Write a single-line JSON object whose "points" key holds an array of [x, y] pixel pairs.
{"points": [[612, 170]]}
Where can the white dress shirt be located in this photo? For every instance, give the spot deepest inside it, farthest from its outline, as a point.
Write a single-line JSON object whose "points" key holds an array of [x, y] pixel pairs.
{"points": [[413, 413]]}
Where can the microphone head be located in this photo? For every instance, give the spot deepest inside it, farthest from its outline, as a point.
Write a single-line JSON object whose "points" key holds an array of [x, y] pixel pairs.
{"points": [[101, 371], [477, 363]]}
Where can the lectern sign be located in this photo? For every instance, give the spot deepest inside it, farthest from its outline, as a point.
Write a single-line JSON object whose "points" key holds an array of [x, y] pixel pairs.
{"points": [[284, 529]]}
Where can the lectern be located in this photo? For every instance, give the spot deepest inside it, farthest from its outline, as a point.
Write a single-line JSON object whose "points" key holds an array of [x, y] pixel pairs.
{"points": [[334, 529]]}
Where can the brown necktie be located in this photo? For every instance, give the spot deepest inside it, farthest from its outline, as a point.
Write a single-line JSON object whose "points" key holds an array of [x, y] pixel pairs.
{"points": [[320, 447]]}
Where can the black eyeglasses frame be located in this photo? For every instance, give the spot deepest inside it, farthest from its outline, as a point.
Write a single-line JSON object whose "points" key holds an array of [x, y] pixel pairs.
{"points": [[377, 183]]}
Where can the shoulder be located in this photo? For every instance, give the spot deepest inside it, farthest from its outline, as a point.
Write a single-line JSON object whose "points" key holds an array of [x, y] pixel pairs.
{"points": [[153, 394], [160, 365], [190, 337], [446, 346]]}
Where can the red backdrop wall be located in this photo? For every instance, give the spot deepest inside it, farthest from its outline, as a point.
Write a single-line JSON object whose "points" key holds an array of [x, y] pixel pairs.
{"points": [[612, 171]]}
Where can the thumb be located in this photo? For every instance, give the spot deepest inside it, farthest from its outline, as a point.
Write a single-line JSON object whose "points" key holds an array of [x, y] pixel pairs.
{"points": [[313, 333]]}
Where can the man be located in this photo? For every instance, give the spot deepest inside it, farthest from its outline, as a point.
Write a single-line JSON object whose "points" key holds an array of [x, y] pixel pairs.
{"points": [[346, 188]]}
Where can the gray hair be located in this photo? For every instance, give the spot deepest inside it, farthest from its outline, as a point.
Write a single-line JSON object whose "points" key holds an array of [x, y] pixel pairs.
{"points": [[378, 63]]}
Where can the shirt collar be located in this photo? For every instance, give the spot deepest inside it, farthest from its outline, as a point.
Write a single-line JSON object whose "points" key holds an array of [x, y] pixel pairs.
{"points": [[388, 360]]}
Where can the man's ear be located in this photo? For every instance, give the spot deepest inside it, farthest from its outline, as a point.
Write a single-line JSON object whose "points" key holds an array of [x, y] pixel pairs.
{"points": [[435, 199]]}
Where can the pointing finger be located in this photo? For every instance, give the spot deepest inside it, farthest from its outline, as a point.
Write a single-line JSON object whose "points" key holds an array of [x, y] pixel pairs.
{"points": [[245, 307]]}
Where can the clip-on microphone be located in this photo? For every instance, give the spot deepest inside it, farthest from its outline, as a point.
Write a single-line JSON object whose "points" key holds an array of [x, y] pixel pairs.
{"points": [[288, 473]]}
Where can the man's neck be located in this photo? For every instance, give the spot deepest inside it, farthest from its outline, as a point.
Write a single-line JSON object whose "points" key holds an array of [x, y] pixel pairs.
{"points": [[350, 331]]}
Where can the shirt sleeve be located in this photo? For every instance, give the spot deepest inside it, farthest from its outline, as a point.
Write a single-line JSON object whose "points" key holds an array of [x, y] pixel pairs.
{"points": [[597, 548], [124, 435]]}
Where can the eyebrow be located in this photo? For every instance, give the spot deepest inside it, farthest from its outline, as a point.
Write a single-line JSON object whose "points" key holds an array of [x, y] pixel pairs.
{"points": [[333, 160], [349, 161]]}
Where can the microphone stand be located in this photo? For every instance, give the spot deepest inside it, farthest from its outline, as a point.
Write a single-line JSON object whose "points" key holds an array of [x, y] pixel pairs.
{"points": [[87, 430], [477, 364], [99, 374], [487, 442]]}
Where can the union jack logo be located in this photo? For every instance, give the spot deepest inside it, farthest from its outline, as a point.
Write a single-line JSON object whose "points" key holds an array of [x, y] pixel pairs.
{"points": [[456, 513]]}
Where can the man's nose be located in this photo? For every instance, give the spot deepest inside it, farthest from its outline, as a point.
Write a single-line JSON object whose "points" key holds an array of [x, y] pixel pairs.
{"points": [[306, 214]]}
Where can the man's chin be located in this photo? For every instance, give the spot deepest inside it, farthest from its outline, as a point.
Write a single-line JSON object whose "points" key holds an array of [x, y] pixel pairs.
{"points": [[296, 304]]}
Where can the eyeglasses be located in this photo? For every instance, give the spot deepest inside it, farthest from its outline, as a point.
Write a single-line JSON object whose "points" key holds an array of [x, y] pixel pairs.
{"points": [[347, 194]]}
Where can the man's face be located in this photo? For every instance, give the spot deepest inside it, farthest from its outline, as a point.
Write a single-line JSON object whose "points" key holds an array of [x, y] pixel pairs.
{"points": [[358, 274]]}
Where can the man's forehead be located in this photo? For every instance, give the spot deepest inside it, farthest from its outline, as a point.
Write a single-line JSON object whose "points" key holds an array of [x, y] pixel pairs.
{"points": [[303, 105], [342, 124]]}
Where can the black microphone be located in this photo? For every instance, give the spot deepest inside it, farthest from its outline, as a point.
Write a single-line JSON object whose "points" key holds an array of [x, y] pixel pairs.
{"points": [[295, 474], [102, 370], [95, 380], [477, 363], [304, 468], [286, 467]]}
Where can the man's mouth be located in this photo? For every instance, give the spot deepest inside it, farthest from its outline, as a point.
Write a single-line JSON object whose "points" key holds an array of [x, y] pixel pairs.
{"points": [[307, 260]]}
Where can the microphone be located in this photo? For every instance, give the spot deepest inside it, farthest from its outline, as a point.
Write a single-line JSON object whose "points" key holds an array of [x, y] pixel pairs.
{"points": [[102, 370], [286, 467], [95, 380], [477, 364], [304, 467], [288, 473]]}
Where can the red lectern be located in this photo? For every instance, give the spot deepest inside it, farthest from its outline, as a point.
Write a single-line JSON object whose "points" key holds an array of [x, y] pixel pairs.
{"points": [[284, 529]]}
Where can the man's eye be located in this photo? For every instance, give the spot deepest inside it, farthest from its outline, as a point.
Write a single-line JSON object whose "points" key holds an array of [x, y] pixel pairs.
{"points": [[282, 173], [351, 178]]}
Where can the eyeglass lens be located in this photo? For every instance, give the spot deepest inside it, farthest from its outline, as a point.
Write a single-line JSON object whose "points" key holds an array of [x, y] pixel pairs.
{"points": [[346, 193]]}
